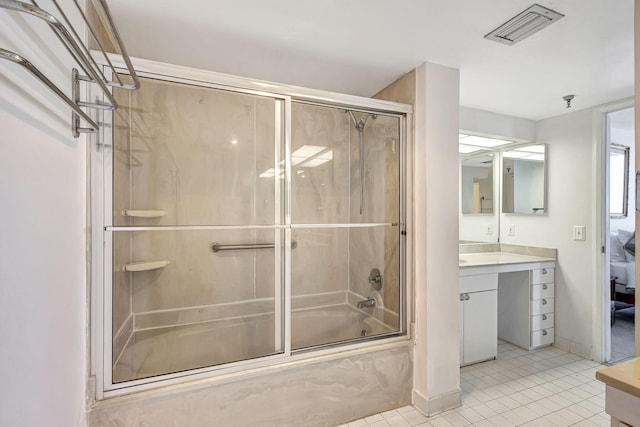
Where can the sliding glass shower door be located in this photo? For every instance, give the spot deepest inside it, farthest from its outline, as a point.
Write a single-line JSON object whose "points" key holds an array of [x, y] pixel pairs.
{"points": [[241, 225], [196, 228]]}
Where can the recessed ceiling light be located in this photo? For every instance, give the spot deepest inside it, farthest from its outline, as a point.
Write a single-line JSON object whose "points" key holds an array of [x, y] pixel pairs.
{"points": [[480, 141], [526, 23], [466, 149]]}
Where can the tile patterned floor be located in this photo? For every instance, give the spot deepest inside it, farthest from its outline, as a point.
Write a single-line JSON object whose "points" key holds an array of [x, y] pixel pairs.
{"points": [[547, 387]]}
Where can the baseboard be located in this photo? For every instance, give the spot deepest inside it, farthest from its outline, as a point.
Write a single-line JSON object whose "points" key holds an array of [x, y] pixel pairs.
{"points": [[573, 347], [433, 405]]}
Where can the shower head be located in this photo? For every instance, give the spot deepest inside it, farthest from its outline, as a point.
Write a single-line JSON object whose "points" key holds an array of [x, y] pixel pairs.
{"points": [[359, 124]]}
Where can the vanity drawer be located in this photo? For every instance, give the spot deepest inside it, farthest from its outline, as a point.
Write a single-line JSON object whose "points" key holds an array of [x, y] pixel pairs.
{"points": [[542, 337], [543, 290], [542, 275], [542, 306], [478, 283], [542, 321]]}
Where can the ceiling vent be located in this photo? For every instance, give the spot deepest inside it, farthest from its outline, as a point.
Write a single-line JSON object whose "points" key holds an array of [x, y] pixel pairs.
{"points": [[524, 24]]}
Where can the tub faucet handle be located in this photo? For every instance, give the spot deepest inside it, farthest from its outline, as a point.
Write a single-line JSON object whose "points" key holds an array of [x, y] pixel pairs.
{"points": [[369, 302], [375, 279]]}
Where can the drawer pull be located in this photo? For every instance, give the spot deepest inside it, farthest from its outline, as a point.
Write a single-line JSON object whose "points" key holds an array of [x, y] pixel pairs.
{"points": [[544, 317], [544, 333], [544, 302], [544, 287], [467, 297], [461, 297], [544, 271]]}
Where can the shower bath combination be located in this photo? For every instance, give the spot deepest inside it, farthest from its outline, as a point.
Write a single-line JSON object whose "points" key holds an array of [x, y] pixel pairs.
{"points": [[232, 234]]}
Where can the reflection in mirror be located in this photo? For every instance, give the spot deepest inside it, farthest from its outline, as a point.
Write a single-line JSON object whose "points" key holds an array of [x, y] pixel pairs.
{"points": [[476, 184], [618, 180], [523, 180]]}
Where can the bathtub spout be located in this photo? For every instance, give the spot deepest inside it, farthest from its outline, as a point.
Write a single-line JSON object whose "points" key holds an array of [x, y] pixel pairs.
{"points": [[369, 302]]}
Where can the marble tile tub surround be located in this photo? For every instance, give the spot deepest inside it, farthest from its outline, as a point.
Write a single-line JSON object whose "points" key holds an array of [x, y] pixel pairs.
{"points": [[196, 153], [470, 248], [181, 344], [325, 391]]}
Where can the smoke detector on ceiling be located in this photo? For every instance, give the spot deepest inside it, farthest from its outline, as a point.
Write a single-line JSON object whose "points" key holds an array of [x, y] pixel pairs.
{"points": [[524, 24]]}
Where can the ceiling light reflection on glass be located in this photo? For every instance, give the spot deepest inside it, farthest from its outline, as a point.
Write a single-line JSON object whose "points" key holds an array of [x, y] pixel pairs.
{"points": [[318, 160], [305, 152]]}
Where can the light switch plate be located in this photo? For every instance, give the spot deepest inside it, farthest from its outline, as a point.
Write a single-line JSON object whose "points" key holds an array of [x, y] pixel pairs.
{"points": [[489, 229], [511, 229], [579, 232]]}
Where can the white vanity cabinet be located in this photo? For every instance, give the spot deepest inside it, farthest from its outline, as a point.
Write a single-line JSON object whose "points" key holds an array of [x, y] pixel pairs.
{"points": [[531, 292], [478, 318], [506, 295]]}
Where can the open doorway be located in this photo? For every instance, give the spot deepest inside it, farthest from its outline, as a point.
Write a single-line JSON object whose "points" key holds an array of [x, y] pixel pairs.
{"points": [[620, 223]]}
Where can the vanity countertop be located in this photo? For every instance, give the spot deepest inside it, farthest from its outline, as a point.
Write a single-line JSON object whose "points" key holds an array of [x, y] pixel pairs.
{"points": [[497, 258], [501, 258], [623, 376]]}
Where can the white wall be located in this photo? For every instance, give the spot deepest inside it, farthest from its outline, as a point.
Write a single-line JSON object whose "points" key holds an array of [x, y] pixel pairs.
{"points": [[570, 201], [42, 240], [436, 374], [433, 90]]}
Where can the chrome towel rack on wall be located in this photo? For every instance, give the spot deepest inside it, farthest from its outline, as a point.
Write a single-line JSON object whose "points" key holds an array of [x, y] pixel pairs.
{"points": [[82, 55]]}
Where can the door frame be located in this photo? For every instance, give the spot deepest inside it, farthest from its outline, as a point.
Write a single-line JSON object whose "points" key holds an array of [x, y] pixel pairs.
{"points": [[602, 311]]}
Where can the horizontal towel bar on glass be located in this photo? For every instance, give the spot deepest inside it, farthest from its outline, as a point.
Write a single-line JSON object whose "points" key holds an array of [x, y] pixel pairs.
{"points": [[217, 247]]}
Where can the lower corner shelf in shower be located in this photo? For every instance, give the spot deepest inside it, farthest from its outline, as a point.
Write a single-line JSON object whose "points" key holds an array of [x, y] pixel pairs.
{"points": [[145, 265]]}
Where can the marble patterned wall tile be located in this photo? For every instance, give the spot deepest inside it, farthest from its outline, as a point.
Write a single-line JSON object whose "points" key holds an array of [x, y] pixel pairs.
{"points": [[371, 381], [320, 194], [196, 276], [529, 250], [197, 153], [172, 349], [469, 248], [320, 263]]}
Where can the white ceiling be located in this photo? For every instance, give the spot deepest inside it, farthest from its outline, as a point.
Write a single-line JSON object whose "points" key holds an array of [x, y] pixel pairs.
{"points": [[360, 46]]}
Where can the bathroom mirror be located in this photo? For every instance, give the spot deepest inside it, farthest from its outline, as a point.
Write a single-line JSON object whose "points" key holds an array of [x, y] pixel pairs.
{"points": [[523, 179], [476, 183]]}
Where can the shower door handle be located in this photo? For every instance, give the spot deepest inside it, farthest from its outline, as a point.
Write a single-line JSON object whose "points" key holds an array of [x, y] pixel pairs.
{"points": [[217, 247]]}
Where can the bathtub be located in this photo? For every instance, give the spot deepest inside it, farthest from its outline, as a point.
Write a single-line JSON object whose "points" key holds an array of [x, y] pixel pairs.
{"points": [[179, 348]]}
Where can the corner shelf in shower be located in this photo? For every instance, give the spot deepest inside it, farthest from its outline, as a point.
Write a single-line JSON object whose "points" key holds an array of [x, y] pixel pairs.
{"points": [[143, 213], [145, 265]]}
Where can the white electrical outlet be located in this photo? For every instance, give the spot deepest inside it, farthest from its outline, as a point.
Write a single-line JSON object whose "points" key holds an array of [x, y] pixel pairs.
{"points": [[579, 232], [489, 228], [511, 229]]}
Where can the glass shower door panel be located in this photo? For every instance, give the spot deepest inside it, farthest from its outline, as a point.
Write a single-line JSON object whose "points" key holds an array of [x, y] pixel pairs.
{"points": [[333, 299], [191, 155], [345, 166], [192, 299]]}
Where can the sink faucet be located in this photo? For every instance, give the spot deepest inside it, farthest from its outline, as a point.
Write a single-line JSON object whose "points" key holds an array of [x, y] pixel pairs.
{"points": [[369, 302]]}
